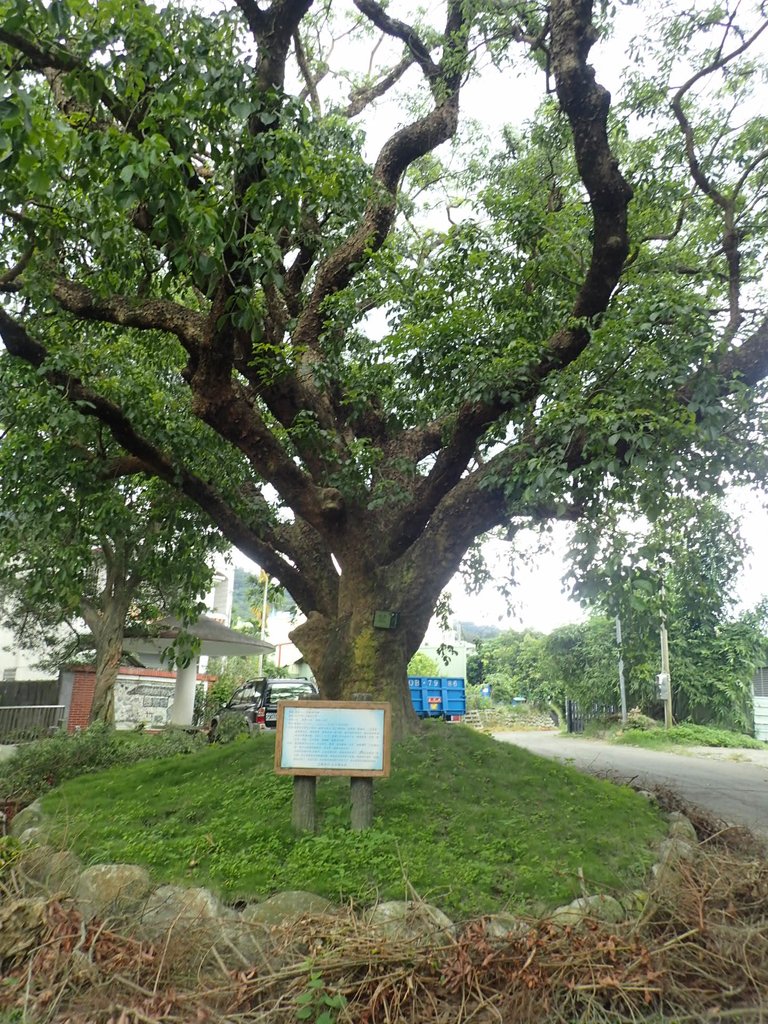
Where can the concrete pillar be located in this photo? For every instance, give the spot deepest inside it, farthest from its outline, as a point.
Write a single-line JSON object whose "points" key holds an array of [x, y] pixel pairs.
{"points": [[183, 708]]}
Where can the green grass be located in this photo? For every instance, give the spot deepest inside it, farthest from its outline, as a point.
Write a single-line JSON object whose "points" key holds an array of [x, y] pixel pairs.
{"points": [[688, 735], [472, 825]]}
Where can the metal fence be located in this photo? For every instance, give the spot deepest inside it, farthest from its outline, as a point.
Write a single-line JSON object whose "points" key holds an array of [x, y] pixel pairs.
{"points": [[29, 722], [576, 716]]}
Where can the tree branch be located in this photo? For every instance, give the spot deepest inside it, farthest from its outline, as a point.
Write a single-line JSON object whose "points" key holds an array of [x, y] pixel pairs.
{"points": [[399, 152], [148, 315], [586, 104], [256, 19], [399, 30], [473, 507], [9, 280], [748, 362], [306, 74], [363, 96], [703, 182], [250, 539], [43, 57]]}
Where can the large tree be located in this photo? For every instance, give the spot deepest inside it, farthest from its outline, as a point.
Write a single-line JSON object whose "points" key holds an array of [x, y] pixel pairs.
{"points": [[193, 193]]}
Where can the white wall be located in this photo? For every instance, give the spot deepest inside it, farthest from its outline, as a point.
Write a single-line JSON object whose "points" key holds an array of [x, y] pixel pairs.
{"points": [[452, 665], [18, 661], [219, 601]]}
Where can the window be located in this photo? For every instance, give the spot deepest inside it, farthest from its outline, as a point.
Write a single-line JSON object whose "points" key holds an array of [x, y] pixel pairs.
{"points": [[9, 675]]}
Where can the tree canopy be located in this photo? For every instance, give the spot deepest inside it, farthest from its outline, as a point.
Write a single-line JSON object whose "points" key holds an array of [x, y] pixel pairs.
{"points": [[211, 247]]}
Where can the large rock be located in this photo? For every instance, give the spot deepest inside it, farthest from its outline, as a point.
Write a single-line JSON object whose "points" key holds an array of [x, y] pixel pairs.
{"points": [[650, 797], [680, 827], [673, 855], [505, 926], [34, 861], [196, 929], [589, 908], [33, 836], [111, 890], [410, 921], [30, 816], [53, 870], [242, 944], [172, 907], [21, 926], [635, 902], [287, 907], [64, 870], [673, 852]]}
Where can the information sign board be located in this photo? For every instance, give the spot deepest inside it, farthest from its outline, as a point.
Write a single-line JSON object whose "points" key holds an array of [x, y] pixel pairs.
{"points": [[329, 737]]}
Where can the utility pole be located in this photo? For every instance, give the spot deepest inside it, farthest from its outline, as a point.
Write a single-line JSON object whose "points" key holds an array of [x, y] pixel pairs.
{"points": [[264, 620], [622, 687], [665, 681]]}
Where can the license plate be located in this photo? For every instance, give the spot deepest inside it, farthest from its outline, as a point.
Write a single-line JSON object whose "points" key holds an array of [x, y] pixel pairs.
{"points": [[270, 717]]}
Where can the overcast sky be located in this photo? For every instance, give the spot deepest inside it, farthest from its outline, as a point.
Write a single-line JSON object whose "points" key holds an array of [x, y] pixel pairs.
{"points": [[538, 599]]}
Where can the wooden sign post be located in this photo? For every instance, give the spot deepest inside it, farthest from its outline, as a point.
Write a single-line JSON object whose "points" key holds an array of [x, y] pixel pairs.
{"points": [[361, 792], [322, 737]]}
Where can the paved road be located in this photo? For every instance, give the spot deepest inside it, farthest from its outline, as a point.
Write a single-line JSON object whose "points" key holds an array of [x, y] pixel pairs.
{"points": [[732, 785]]}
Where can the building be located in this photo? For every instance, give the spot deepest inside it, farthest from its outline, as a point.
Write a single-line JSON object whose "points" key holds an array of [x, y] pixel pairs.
{"points": [[760, 700], [146, 692], [17, 663], [448, 649]]}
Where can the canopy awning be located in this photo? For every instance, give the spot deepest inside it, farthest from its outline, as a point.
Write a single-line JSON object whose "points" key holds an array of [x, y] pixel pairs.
{"points": [[216, 639]]}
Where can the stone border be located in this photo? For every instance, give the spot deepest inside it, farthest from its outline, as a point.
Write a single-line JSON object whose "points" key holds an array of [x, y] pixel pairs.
{"points": [[203, 928]]}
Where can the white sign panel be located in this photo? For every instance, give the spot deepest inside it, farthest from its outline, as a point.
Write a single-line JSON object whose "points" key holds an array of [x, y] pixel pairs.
{"points": [[332, 738]]}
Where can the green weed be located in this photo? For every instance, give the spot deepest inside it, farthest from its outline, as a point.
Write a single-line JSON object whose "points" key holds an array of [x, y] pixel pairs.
{"points": [[689, 735], [35, 768], [315, 1005]]}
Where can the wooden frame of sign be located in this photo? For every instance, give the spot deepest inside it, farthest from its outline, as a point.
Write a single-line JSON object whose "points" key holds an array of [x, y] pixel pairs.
{"points": [[347, 738]]}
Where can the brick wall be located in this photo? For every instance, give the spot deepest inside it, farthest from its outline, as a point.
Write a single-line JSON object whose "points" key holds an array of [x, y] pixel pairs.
{"points": [[84, 684]]}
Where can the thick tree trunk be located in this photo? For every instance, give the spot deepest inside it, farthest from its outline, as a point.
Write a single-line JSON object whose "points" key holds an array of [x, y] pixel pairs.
{"points": [[109, 654], [348, 655]]}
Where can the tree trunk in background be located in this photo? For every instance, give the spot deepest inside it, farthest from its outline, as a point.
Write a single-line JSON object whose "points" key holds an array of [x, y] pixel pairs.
{"points": [[109, 654]]}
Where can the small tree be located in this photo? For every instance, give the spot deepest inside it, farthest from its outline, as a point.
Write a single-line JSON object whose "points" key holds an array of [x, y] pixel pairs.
{"points": [[683, 567], [422, 665], [84, 543]]}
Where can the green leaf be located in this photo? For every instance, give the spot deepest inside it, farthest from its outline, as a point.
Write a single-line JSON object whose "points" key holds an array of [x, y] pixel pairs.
{"points": [[40, 180]]}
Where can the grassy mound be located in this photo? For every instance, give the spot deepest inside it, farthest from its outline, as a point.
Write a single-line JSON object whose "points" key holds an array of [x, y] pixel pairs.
{"points": [[470, 824], [688, 735]]}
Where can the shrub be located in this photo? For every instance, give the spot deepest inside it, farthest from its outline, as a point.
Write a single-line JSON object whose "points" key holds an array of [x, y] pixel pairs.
{"points": [[207, 703], [231, 727], [476, 700], [37, 767], [637, 720]]}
